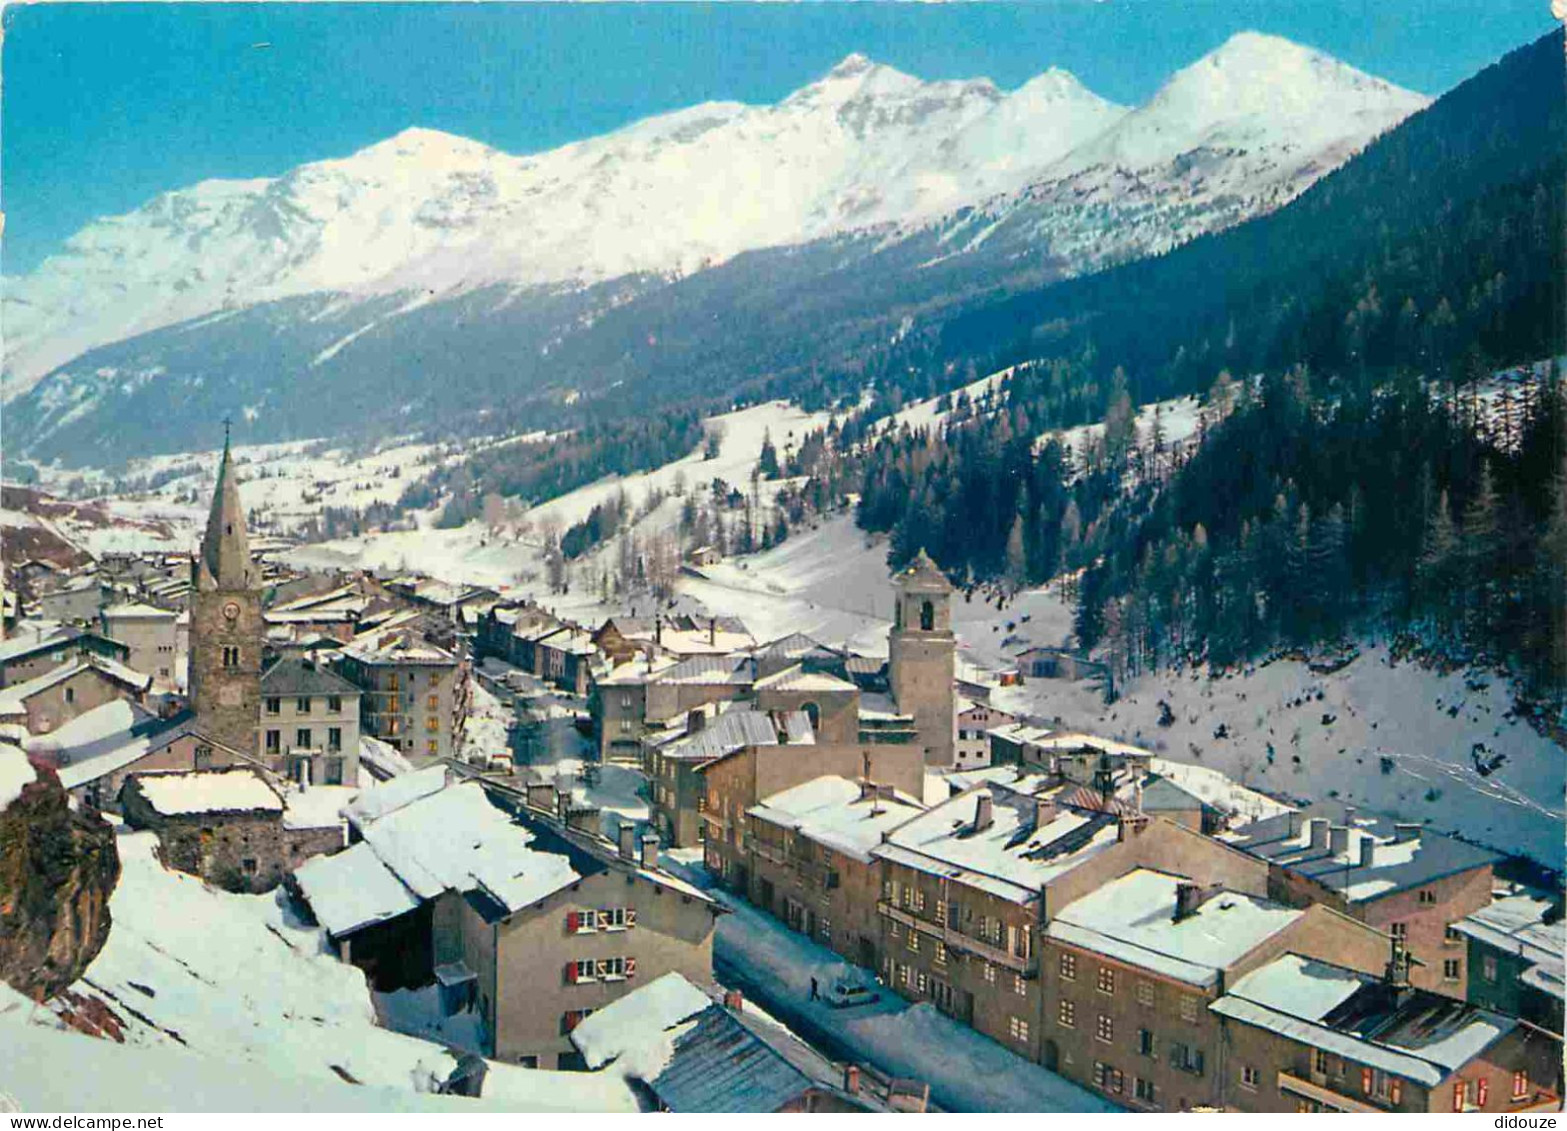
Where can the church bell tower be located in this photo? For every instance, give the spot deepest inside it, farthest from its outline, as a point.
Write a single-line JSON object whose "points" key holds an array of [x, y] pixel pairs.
{"points": [[922, 648], [226, 627]]}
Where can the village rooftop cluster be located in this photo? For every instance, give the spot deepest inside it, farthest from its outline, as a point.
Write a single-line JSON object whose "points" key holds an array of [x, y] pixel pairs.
{"points": [[380, 755]]}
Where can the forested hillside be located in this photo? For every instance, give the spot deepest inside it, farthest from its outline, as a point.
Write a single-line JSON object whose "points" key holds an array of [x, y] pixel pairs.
{"points": [[1356, 463]]}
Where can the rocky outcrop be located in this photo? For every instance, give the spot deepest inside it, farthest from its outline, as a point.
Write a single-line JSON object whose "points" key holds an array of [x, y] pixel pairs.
{"points": [[58, 868]]}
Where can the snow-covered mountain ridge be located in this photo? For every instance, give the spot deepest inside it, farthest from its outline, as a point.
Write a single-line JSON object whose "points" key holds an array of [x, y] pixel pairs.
{"points": [[866, 147]]}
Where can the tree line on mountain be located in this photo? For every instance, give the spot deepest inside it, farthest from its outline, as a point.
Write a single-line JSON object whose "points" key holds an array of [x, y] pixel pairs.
{"points": [[1369, 474]]}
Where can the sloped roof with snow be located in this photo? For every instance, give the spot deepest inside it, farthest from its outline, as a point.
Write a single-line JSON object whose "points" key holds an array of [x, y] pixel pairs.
{"points": [[1132, 919], [831, 811], [456, 840], [352, 889], [295, 676], [1014, 856], [706, 670], [1516, 925], [797, 678], [404, 789], [1422, 858], [734, 730], [638, 1019], [133, 610], [1415, 1034]]}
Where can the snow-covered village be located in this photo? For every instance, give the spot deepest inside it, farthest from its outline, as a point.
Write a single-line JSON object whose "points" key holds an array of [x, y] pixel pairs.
{"points": [[795, 600]]}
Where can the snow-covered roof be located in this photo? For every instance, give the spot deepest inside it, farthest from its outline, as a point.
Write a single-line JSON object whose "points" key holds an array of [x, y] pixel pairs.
{"points": [[735, 729], [404, 789], [1415, 1034], [797, 678], [1010, 858], [297, 676], [456, 840], [318, 807], [639, 1022], [838, 813], [705, 670], [1132, 919], [352, 889], [400, 647], [1215, 789], [1400, 858], [111, 735], [382, 759], [1515, 924], [16, 773], [1066, 742], [183, 793], [135, 610]]}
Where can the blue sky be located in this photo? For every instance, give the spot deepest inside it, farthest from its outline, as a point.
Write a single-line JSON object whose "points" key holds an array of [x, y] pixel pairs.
{"points": [[106, 106]]}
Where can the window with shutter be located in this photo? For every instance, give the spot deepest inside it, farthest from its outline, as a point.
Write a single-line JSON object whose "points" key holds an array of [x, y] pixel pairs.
{"points": [[1365, 1080], [571, 921], [1482, 1091], [631, 916], [1395, 1090], [571, 973], [1458, 1096], [631, 967]]}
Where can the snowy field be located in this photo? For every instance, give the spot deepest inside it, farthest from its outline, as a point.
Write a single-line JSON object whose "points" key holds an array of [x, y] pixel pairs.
{"points": [[235, 978]]}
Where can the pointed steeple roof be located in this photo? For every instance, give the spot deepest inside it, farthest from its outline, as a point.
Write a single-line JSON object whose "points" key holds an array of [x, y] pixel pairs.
{"points": [[225, 549], [923, 574]]}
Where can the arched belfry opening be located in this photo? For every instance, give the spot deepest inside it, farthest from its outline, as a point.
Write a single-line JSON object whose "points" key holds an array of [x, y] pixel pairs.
{"points": [[927, 616]]}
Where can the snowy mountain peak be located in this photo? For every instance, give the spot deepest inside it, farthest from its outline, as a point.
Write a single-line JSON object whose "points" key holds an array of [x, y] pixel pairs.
{"points": [[1257, 95], [865, 147], [853, 64]]}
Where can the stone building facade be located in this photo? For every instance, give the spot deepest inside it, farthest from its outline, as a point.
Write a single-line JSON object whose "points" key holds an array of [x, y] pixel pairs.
{"points": [[226, 826]]}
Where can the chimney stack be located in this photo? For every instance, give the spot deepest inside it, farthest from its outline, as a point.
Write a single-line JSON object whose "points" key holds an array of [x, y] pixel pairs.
{"points": [[1187, 899], [1317, 827], [733, 1001], [1368, 848], [712, 630], [696, 720], [1044, 811], [982, 812], [650, 849], [1338, 839], [627, 848], [851, 1079]]}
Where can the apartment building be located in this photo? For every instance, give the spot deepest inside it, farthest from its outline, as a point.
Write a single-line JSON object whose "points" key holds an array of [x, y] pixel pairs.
{"points": [[1305, 1034], [1131, 967], [309, 729], [1400, 878], [812, 863], [412, 694]]}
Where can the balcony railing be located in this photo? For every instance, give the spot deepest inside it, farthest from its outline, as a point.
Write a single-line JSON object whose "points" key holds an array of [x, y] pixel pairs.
{"points": [[1325, 1096], [956, 940]]}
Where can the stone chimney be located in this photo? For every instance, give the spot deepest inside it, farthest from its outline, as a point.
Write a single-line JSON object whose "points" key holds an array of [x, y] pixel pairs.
{"points": [[1368, 849], [982, 813], [712, 630], [1188, 897], [1317, 827], [650, 849], [696, 720], [562, 801], [1044, 811], [1338, 839], [627, 845], [658, 630], [734, 1001], [1404, 833], [851, 1079]]}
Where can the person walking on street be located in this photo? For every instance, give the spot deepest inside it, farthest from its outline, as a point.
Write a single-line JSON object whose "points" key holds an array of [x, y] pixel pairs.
{"points": [[814, 994]]}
